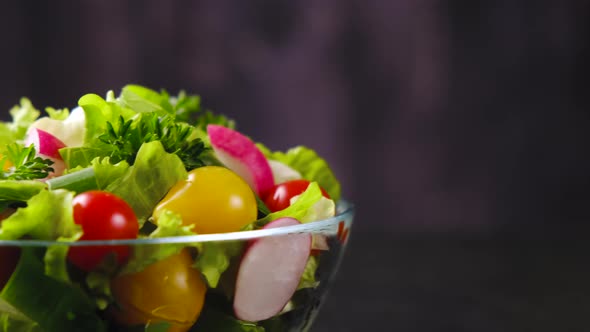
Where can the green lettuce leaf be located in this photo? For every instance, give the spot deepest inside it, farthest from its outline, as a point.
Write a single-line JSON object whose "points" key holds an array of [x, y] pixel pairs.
{"points": [[214, 258], [299, 209], [311, 166], [106, 173], [82, 156], [98, 112], [144, 100], [55, 261], [146, 182], [324, 208], [22, 117], [308, 279], [57, 114], [13, 190], [169, 225], [47, 216], [52, 304]]}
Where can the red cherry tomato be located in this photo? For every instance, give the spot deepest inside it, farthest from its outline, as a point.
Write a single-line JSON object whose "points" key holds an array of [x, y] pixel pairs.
{"points": [[103, 216], [279, 197]]}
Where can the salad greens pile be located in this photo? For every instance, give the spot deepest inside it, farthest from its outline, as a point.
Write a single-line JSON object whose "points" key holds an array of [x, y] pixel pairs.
{"points": [[137, 145]]}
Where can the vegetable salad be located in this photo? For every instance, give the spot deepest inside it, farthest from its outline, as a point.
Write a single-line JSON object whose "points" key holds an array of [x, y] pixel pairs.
{"points": [[145, 164]]}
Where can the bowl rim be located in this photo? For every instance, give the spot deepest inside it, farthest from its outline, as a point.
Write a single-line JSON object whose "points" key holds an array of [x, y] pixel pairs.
{"points": [[345, 212]]}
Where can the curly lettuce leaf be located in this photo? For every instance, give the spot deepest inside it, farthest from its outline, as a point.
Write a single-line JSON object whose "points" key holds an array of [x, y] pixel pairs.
{"points": [[47, 216], [324, 208], [146, 182], [214, 259], [57, 114], [145, 100], [22, 116], [169, 225], [106, 173], [311, 166], [298, 209], [98, 112], [308, 279]]}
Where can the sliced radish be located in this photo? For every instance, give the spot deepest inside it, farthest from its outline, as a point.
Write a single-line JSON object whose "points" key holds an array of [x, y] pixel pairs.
{"points": [[71, 131], [269, 272], [241, 155], [47, 146], [281, 172]]}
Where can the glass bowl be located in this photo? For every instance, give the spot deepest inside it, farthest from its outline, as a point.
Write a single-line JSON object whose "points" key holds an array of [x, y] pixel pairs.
{"points": [[40, 295]]}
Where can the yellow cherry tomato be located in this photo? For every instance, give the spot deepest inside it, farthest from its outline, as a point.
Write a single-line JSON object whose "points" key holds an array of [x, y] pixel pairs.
{"points": [[213, 199], [170, 290]]}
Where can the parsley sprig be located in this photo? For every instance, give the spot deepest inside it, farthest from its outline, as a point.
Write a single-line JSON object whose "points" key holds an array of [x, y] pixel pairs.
{"points": [[26, 164], [125, 137]]}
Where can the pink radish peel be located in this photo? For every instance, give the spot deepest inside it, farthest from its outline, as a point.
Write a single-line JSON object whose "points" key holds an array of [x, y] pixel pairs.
{"points": [[269, 272]]}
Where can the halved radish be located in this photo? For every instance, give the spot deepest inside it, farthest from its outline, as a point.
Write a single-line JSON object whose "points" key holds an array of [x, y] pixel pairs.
{"points": [[282, 172], [269, 273], [241, 155], [47, 146], [71, 130]]}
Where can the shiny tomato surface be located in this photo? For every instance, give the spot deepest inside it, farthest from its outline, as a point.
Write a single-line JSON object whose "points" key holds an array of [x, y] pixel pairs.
{"points": [[170, 290], [279, 197], [213, 199], [102, 216]]}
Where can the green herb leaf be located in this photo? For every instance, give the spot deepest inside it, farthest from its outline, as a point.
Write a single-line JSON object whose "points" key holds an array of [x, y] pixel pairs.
{"points": [[26, 165]]}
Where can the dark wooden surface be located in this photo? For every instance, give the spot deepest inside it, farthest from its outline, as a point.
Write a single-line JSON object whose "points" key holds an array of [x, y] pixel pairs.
{"points": [[452, 282]]}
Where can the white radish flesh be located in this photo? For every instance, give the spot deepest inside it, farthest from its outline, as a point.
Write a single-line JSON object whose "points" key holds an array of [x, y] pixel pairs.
{"points": [[269, 273], [282, 172], [47, 146], [70, 131]]}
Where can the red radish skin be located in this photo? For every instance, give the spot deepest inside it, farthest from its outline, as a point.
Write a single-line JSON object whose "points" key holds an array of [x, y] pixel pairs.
{"points": [[241, 155], [269, 273], [47, 146]]}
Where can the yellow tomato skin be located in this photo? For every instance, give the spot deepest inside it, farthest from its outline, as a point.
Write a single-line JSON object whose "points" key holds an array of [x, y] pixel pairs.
{"points": [[170, 290], [213, 199]]}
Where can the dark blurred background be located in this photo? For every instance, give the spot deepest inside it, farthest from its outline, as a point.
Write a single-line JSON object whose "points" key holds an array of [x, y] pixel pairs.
{"points": [[460, 130]]}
